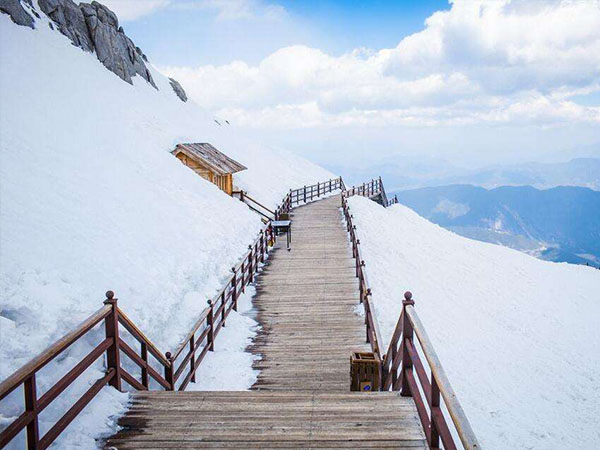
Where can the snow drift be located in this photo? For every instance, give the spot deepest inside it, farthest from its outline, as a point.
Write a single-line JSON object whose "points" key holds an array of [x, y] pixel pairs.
{"points": [[517, 336], [93, 200]]}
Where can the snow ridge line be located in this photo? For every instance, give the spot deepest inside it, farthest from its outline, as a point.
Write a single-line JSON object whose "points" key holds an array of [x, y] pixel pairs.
{"points": [[210, 322]]}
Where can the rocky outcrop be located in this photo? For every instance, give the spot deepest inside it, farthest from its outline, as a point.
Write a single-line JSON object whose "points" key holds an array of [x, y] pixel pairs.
{"points": [[17, 13], [178, 89], [70, 21], [94, 28]]}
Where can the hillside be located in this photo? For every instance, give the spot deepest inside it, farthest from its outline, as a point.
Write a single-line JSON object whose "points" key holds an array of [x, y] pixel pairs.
{"points": [[517, 336], [559, 224], [93, 200]]}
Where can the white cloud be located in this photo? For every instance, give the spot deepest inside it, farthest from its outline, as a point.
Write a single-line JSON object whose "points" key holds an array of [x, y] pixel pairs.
{"points": [[134, 9], [497, 62]]}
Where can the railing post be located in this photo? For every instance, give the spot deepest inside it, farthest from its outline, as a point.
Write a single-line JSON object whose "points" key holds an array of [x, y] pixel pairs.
{"points": [[262, 246], [144, 353], [234, 289], [169, 372], [433, 432], [256, 257], [209, 323], [193, 358], [243, 271], [304, 193], [223, 307], [250, 268], [318, 189], [367, 313], [407, 334], [31, 405], [111, 327]]}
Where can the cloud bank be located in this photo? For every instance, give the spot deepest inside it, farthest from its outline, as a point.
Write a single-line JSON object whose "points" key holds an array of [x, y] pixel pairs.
{"points": [[493, 62]]}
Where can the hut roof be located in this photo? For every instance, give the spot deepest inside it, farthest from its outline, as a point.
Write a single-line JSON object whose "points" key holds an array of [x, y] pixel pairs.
{"points": [[220, 163]]}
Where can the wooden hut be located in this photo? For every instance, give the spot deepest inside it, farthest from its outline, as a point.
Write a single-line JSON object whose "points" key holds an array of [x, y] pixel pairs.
{"points": [[209, 163]]}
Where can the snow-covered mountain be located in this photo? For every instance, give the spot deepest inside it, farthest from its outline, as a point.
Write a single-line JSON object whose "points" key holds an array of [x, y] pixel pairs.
{"points": [[558, 224], [518, 336], [92, 199]]}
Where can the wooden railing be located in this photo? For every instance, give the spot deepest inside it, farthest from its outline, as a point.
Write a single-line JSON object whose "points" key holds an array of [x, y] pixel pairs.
{"points": [[373, 333], [307, 194], [168, 371], [178, 368], [254, 205], [392, 201], [402, 360]]}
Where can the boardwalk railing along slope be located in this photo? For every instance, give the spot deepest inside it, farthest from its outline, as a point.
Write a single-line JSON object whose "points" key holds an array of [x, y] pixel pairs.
{"points": [[305, 304]]}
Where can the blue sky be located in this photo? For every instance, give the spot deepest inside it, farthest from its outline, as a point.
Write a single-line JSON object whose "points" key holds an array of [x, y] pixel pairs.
{"points": [[174, 35], [472, 82]]}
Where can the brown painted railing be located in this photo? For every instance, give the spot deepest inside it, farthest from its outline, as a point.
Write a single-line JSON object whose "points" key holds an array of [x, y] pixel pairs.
{"points": [[254, 205], [178, 368], [25, 377], [400, 365], [175, 370], [373, 333], [307, 194], [402, 360], [392, 201]]}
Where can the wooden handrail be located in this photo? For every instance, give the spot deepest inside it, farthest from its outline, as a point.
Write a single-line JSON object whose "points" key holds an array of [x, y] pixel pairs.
{"points": [[401, 353], [459, 418], [224, 301], [141, 337], [373, 332], [35, 364]]}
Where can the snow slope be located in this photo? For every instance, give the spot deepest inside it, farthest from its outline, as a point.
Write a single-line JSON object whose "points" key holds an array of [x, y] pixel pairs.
{"points": [[91, 199], [517, 336]]}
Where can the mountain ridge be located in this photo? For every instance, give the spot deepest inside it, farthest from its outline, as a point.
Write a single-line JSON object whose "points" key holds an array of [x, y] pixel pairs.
{"points": [[560, 224]]}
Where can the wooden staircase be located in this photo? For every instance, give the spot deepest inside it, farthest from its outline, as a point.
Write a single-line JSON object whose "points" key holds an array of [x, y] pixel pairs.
{"points": [[269, 420], [305, 301], [305, 304]]}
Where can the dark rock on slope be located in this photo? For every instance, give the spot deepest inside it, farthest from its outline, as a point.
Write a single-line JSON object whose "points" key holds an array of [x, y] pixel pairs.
{"points": [[16, 12], [94, 28], [178, 89]]}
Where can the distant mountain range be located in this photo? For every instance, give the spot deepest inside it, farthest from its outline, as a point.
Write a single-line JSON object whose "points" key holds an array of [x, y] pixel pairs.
{"points": [[558, 224], [402, 174]]}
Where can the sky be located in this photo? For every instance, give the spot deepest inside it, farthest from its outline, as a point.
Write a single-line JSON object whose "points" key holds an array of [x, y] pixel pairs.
{"points": [[356, 83]]}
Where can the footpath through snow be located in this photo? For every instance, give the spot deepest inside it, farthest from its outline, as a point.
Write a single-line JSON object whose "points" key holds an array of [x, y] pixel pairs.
{"points": [[517, 336], [93, 200]]}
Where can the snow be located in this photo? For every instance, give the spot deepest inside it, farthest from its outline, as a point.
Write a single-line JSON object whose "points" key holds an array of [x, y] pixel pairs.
{"points": [[230, 347], [518, 336], [93, 200]]}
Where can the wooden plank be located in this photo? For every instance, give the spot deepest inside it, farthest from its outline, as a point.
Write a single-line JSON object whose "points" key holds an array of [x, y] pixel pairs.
{"points": [[305, 305]]}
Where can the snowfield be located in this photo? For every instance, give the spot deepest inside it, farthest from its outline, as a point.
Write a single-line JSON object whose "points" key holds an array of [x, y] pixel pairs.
{"points": [[518, 336], [92, 199]]}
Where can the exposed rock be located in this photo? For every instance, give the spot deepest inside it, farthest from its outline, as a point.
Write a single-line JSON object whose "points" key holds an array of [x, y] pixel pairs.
{"points": [[92, 27], [114, 49], [70, 21], [16, 12], [178, 90]]}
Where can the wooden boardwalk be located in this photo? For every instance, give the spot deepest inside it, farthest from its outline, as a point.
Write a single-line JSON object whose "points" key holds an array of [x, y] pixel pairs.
{"points": [[305, 304]]}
